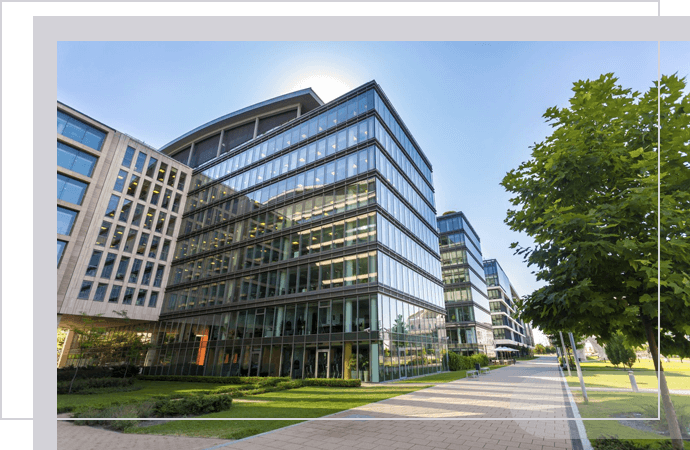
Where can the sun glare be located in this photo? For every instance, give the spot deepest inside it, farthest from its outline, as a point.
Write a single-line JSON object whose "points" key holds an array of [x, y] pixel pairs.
{"points": [[327, 87]]}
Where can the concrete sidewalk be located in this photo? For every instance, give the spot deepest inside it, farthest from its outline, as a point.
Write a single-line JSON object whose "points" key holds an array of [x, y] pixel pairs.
{"points": [[526, 398], [512, 408]]}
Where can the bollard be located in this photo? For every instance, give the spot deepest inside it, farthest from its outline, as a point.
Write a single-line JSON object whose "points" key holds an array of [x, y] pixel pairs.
{"points": [[633, 383]]}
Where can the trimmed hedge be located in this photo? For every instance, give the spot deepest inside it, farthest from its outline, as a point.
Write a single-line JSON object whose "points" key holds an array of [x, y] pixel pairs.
{"points": [[67, 373], [89, 384], [203, 379], [191, 406], [459, 362], [331, 382]]}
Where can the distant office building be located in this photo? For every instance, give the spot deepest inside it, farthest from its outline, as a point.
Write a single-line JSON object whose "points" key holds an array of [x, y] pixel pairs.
{"points": [[508, 331], [304, 243], [468, 319], [119, 207]]}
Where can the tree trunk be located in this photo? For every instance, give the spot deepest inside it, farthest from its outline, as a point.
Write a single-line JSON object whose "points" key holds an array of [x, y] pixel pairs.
{"points": [[671, 419]]}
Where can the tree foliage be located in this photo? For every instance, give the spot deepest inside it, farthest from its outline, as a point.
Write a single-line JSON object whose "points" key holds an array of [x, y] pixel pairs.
{"points": [[588, 198], [602, 201], [619, 352]]}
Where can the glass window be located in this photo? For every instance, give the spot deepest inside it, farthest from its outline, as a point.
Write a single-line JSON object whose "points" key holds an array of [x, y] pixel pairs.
{"points": [[160, 222], [93, 263], [158, 279], [134, 274], [161, 172], [165, 250], [72, 159], [99, 295], [148, 221], [120, 181], [143, 241], [60, 250], [127, 298], [156, 194], [124, 212], [65, 220], [153, 250], [146, 277], [85, 290], [138, 212], [176, 202], [114, 294], [166, 199], [153, 298], [117, 237], [103, 233], [112, 206], [79, 131], [151, 168], [70, 190], [133, 183], [183, 178], [139, 165], [171, 226], [141, 298], [131, 239], [122, 268], [172, 176], [129, 155], [144, 193], [108, 265]]}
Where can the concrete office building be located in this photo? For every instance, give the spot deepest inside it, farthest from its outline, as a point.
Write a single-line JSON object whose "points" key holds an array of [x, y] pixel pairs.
{"points": [[118, 214], [508, 331], [307, 246], [468, 319]]}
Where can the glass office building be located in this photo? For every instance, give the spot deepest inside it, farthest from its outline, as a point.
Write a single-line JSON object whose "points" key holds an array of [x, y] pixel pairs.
{"points": [[308, 246], [508, 331], [468, 318]]}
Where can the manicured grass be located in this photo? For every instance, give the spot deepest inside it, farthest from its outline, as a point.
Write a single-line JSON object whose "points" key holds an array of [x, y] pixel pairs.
{"points": [[617, 404], [306, 402], [442, 377], [642, 364], [645, 379], [149, 389]]}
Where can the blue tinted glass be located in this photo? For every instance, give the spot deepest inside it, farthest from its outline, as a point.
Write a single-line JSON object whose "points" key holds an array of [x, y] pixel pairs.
{"points": [[70, 190], [112, 206], [65, 220], [129, 154], [73, 159], [79, 131], [60, 249], [139, 165], [120, 181]]}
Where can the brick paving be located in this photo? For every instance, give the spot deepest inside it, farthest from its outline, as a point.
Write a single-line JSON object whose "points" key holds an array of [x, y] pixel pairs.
{"points": [[516, 396]]}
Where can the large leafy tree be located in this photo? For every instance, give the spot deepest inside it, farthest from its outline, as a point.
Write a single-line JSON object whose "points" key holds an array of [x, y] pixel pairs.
{"points": [[589, 197]]}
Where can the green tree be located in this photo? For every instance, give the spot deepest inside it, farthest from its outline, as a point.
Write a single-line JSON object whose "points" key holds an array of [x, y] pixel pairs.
{"points": [[620, 352], [588, 198], [539, 349]]}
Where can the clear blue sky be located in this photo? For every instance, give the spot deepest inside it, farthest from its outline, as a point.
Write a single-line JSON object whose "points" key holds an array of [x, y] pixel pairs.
{"points": [[474, 107]]}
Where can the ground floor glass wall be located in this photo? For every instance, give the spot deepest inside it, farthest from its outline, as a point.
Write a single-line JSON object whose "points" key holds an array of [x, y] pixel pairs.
{"points": [[372, 337]]}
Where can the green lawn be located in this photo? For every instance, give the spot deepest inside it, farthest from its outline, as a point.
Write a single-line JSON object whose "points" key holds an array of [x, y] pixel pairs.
{"points": [[619, 404], [442, 377], [605, 375], [306, 402], [149, 389]]}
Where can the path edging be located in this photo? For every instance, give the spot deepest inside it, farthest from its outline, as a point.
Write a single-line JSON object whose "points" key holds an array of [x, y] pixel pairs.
{"points": [[586, 444]]}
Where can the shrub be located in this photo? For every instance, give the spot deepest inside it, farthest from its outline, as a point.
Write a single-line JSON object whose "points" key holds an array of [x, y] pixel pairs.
{"points": [[614, 443], [67, 373], [191, 406], [204, 379], [331, 382], [479, 358], [571, 361], [619, 352], [91, 384], [123, 370]]}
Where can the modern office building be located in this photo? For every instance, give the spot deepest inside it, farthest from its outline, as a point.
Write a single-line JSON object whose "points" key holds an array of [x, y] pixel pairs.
{"points": [[509, 330], [119, 204], [307, 245], [468, 319]]}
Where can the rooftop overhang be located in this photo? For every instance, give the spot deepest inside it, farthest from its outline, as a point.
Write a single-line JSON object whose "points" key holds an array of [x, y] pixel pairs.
{"points": [[307, 98]]}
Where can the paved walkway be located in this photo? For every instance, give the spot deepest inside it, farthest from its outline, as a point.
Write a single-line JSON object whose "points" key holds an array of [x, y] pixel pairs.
{"points": [[528, 391], [520, 399]]}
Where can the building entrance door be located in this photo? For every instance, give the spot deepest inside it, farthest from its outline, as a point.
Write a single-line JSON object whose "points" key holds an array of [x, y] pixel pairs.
{"points": [[322, 364]]}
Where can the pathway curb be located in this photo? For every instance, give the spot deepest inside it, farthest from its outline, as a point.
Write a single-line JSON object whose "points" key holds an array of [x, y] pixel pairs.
{"points": [[584, 440]]}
